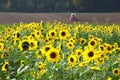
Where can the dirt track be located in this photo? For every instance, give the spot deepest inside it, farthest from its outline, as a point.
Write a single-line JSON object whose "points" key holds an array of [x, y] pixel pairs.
{"points": [[101, 18]]}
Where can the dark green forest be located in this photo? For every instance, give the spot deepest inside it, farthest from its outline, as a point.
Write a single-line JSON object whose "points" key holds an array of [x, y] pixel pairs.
{"points": [[59, 6]]}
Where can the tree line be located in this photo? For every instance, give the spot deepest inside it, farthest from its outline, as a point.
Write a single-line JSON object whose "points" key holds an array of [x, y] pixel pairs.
{"points": [[59, 5]]}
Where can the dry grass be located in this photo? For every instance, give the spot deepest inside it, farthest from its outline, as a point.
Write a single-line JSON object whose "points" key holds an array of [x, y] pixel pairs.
{"points": [[101, 18]]}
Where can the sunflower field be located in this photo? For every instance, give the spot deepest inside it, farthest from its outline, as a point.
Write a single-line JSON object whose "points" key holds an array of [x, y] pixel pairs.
{"points": [[59, 51]]}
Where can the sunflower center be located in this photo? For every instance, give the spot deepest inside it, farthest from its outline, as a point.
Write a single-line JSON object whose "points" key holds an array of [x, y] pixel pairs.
{"points": [[33, 35], [102, 55], [108, 48], [92, 43], [39, 53], [71, 59], [52, 33], [32, 44], [42, 30], [25, 46], [116, 71], [63, 34], [47, 48], [91, 54], [6, 66], [37, 33], [82, 41], [79, 53], [70, 44], [18, 35], [52, 54], [101, 48], [46, 40]]}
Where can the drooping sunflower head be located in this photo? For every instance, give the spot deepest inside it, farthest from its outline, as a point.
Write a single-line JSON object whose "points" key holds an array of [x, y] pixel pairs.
{"points": [[53, 55], [5, 66], [22, 62]]}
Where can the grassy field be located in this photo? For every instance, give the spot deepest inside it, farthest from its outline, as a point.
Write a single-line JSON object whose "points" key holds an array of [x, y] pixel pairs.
{"points": [[59, 51]]}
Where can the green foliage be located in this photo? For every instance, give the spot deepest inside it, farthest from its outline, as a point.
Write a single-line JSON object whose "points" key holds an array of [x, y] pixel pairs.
{"points": [[59, 6], [34, 68]]}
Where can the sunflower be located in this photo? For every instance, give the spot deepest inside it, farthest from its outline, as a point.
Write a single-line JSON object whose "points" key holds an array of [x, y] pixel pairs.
{"points": [[82, 41], [53, 55], [31, 37], [52, 33], [91, 37], [109, 48], [72, 60], [39, 54], [83, 64], [5, 66], [78, 52], [22, 62], [47, 41], [1, 46], [33, 45], [8, 30], [46, 49], [99, 61], [115, 46], [102, 55], [35, 75], [4, 54], [26, 38], [41, 67], [109, 78], [95, 68], [24, 45], [63, 34], [116, 71], [70, 45], [89, 55], [101, 48], [16, 34], [72, 39], [15, 41], [37, 34], [92, 43]]}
